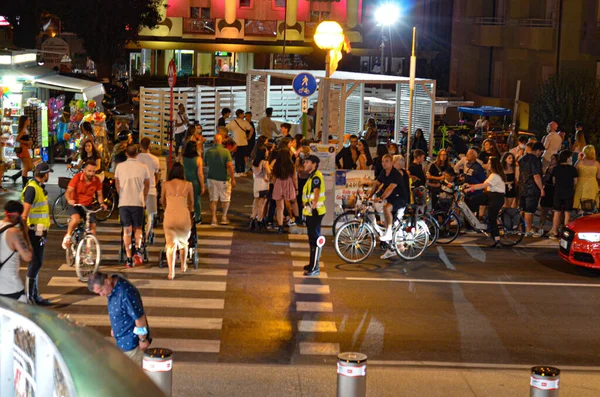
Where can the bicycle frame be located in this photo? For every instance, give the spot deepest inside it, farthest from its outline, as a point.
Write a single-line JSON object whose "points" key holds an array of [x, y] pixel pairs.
{"points": [[459, 203]]}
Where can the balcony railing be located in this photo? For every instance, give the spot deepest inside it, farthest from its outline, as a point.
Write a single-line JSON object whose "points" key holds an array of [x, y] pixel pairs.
{"points": [[257, 27], [198, 25], [493, 21], [537, 23]]}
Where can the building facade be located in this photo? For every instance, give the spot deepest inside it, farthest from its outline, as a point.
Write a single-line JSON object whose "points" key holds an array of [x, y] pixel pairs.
{"points": [[209, 36], [497, 42]]}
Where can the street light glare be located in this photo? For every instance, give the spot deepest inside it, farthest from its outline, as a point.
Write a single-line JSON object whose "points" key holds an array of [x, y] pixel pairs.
{"points": [[387, 14]]}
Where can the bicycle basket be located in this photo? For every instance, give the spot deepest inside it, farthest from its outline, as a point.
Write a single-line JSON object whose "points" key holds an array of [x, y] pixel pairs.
{"points": [[588, 205], [510, 218], [63, 182], [445, 202], [420, 195], [349, 203]]}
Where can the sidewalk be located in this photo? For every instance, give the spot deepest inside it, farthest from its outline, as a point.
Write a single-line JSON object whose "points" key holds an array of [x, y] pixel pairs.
{"points": [[210, 379]]}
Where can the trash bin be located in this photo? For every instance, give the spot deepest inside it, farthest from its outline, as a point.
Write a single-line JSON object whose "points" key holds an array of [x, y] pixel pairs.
{"points": [[544, 382], [158, 365], [352, 375]]}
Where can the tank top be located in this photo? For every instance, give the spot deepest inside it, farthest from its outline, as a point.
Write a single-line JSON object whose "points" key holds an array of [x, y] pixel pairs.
{"points": [[10, 282]]}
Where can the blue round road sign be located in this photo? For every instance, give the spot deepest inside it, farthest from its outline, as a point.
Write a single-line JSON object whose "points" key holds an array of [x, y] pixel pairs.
{"points": [[304, 84]]}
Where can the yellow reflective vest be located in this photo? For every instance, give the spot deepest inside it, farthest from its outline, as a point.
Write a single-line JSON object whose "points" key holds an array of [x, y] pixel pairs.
{"points": [[40, 210], [308, 194]]}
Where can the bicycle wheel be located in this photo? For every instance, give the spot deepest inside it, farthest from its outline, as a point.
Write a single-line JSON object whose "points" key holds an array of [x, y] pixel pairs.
{"points": [[101, 216], [71, 252], [449, 226], [88, 256], [354, 242], [411, 241], [60, 212], [433, 227], [342, 218], [510, 238]]}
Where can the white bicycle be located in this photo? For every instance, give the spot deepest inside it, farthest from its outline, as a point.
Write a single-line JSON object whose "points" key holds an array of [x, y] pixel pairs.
{"points": [[84, 253]]}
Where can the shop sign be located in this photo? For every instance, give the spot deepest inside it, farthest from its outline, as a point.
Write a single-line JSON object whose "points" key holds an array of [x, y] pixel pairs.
{"points": [[54, 49]]}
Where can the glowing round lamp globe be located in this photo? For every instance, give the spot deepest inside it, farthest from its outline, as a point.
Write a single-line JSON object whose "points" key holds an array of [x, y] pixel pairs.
{"points": [[387, 14], [329, 35]]}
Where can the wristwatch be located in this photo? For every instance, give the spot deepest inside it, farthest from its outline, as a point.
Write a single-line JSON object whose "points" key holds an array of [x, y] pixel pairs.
{"points": [[143, 340]]}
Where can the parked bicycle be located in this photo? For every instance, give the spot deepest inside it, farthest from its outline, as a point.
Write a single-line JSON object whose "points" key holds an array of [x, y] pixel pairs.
{"points": [[84, 252], [355, 240], [511, 223]]}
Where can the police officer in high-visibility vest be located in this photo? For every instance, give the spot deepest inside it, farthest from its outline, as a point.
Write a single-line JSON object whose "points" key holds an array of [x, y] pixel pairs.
{"points": [[313, 199], [36, 214]]}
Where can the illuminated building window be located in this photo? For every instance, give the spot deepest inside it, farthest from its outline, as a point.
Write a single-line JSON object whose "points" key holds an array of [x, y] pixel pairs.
{"points": [[245, 3]]}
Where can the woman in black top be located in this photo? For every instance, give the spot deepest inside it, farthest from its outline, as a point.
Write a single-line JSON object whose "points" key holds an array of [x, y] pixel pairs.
{"points": [[381, 151], [547, 201], [435, 175], [419, 142], [489, 149], [88, 152], [510, 172]]}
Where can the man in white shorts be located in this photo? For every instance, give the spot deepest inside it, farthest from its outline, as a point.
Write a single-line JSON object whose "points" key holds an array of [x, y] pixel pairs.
{"points": [[150, 161], [221, 178]]}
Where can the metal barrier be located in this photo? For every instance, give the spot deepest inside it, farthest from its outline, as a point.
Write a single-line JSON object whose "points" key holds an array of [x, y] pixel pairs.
{"points": [[47, 354], [352, 375], [544, 382]]}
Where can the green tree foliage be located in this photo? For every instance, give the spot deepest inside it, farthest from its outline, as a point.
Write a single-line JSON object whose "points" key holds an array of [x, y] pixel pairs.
{"points": [[568, 98]]}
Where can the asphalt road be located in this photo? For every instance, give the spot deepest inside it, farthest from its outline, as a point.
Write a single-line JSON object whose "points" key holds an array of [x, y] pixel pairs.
{"points": [[248, 302]]}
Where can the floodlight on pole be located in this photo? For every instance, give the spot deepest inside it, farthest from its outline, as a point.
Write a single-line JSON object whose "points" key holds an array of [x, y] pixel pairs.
{"points": [[329, 36], [386, 15]]}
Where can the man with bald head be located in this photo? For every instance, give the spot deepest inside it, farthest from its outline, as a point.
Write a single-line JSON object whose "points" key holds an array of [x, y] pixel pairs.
{"points": [[221, 178]]}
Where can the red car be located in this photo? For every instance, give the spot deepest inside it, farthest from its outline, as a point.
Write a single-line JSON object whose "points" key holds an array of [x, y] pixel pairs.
{"points": [[580, 242]]}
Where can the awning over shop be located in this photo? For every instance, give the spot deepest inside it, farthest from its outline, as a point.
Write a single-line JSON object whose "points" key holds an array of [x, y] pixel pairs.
{"points": [[89, 89], [485, 111]]}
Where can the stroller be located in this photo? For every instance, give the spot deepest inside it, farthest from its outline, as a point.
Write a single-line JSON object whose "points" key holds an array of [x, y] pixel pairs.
{"points": [[192, 254]]}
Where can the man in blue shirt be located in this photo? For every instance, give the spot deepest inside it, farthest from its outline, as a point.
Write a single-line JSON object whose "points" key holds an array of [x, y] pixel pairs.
{"points": [[126, 313], [474, 175]]}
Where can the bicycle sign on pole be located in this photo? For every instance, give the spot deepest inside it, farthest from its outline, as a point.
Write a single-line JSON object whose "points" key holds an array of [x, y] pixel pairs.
{"points": [[172, 79], [304, 85]]}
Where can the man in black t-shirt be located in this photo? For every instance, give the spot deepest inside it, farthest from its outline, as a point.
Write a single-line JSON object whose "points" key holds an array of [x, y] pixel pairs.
{"points": [[565, 178], [391, 184], [458, 144], [530, 185], [417, 174]]}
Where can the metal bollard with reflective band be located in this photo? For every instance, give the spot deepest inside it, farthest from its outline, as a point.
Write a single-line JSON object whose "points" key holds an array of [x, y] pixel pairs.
{"points": [[158, 365], [544, 382], [352, 375]]}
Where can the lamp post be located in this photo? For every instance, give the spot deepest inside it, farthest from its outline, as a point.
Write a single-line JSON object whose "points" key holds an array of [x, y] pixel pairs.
{"points": [[386, 15], [329, 36]]}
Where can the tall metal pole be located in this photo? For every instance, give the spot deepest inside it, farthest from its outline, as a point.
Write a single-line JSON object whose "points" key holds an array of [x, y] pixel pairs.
{"points": [[513, 132], [284, 36], [413, 69], [382, 46], [325, 99]]}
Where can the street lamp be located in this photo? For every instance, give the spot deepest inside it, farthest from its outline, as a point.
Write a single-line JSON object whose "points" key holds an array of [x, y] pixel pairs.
{"points": [[386, 15], [329, 36]]}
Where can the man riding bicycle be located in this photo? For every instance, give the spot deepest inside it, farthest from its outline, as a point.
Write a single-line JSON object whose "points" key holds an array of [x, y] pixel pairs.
{"points": [[394, 194], [82, 189]]}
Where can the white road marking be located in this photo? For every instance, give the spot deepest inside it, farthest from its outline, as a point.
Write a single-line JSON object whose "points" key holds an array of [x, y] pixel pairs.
{"points": [[184, 345], [154, 270], [216, 243], [321, 307], [475, 252], [298, 237], [301, 275], [300, 245], [319, 349], [448, 364], [149, 301], [102, 320], [311, 289], [215, 251], [316, 326], [474, 282], [213, 261], [444, 258], [297, 264], [301, 254], [214, 233], [176, 284]]}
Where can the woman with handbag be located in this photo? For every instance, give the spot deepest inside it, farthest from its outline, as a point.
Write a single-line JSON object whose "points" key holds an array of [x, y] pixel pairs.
{"points": [[22, 150]]}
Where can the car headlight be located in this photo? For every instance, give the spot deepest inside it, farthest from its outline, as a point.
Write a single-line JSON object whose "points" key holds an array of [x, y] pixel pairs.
{"points": [[591, 237]]}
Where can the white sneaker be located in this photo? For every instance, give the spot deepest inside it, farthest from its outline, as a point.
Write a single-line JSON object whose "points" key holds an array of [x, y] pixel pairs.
{"points": [[387, 236], [388, 254], [66, 242]]}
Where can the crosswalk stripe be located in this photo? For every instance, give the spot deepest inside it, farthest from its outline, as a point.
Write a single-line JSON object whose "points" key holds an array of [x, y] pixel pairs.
{"points": [[301, 275], [300, 245], [304, 263], [183, 345], [298, 236], [319, 349], [213, 261], [311, 289], [175, 285], [152, 270], [149, 301], [102, 320], [312, 306], [301, 254], [215, 251], [214, 233], [203, 241], [316, 326]]}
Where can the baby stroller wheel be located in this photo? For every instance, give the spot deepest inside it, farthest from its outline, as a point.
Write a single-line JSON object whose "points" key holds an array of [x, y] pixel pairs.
{"points": [[121, 253], [151, 237], [145, 254], [162, 258], [195, 258]]}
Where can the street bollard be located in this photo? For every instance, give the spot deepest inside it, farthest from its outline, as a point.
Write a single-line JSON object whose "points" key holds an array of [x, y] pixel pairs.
{"points": [[158, 365], [352, 375], [544, 382]]}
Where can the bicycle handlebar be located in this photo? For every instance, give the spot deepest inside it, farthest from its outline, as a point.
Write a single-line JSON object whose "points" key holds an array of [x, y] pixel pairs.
{"points": [[88, 210]]}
